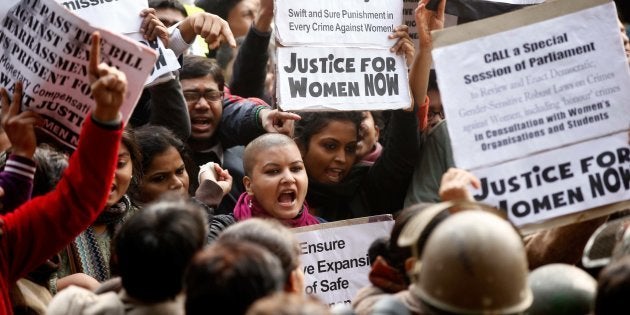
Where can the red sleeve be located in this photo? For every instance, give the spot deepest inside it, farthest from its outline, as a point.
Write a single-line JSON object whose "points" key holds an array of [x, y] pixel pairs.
{"points": [[423, 114], [41, 227]]}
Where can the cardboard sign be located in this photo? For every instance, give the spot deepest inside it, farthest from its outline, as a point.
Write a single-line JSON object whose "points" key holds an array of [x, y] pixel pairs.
{"points": [[538, 107], [48, 50], [335, 78], [336, 23], [334, 256]]}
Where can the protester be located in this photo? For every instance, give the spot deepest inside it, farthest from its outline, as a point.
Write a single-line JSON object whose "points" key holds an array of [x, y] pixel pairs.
{"points": [[288, 304], [219, 122], [26, 240], [368, 147], [227, 277], [85, 262], [164, 169], [339, 189], [275, 182], [152, 252], [613, 288], [279, 241]]}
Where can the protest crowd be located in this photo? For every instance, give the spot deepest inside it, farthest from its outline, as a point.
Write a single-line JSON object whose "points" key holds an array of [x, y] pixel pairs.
{"points": [[189, 205]]}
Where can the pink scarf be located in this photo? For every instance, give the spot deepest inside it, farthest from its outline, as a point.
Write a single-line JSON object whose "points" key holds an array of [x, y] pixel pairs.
{"points": [[247, 207]]}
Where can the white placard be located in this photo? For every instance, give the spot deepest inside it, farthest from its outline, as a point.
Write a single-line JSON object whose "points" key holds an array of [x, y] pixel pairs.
{"points": [[118, 16], [337, 23], [560, 182], [335, 260], [535, 86], [335, 78], [123, 17], [48, 50]]}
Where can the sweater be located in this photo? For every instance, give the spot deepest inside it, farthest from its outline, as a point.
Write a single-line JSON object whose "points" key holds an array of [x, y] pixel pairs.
{"points": [[17, 182], [39, 228]]}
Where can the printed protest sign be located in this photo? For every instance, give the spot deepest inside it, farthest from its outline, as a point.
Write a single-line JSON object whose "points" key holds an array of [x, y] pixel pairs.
{"points": [[336, 23], [335, 78], [123, 17], [538, 109], [335, 56], [555, 183], [48, 50], [334, 256], [116, 15], [534, 85]]}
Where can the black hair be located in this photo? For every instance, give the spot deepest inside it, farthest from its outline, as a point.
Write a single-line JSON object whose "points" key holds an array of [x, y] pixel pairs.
{"points": [[199, 66], [152, 141], [270, 234], [221, 8], [129, 140], [168, 4], [154, 247], [313, 122], [229, 276]]}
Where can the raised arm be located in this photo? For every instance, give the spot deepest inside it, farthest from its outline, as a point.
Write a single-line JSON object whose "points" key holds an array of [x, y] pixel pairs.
{"points": [[41, 227], [250, 65], [426, 21], [16, 180]]}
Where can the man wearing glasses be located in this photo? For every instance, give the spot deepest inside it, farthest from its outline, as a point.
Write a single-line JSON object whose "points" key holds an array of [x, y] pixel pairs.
{"points": [[221, 124]]}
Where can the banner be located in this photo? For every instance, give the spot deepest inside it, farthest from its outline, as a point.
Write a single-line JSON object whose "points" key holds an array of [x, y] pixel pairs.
{"points": [[123, 17], [335, 78], [48, 50], [334, 256], [538, 109]]}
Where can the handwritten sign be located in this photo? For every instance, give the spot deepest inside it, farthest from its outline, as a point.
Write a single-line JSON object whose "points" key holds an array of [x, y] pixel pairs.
{"points": [[334, 256], [48, 50]]}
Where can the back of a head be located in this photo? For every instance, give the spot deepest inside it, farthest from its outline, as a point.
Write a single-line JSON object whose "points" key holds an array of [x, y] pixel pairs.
{"points": [[227, 277], [271, 235], [288, 304], [154, 247], [613, 288], [561, 289], [473, 263]]}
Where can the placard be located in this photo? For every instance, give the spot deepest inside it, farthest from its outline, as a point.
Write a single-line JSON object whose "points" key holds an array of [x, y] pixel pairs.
{"points": [[48, 50], [334, 256]]}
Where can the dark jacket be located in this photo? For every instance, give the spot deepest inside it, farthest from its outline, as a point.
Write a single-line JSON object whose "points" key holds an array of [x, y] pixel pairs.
{"points": [[372, 190]]}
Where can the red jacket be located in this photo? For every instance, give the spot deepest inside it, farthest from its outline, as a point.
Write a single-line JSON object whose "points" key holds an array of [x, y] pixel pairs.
{"points": [[42, 226]]}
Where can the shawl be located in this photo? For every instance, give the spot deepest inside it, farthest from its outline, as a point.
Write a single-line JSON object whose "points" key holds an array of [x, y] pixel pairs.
{"points": [[89, 253], [247, 207]]}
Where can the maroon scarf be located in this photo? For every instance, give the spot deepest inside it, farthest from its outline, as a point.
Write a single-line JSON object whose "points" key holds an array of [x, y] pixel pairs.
{"points": [[247, 207]]}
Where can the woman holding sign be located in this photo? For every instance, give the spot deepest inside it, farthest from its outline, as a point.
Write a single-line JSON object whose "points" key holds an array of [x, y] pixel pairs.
{"points": [[338, 187]]}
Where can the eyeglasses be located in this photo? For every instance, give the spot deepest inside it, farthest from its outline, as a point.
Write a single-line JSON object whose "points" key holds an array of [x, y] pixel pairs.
{"points": [[433, 113], [210, 96]]}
